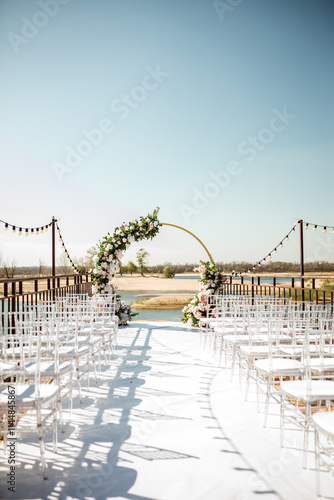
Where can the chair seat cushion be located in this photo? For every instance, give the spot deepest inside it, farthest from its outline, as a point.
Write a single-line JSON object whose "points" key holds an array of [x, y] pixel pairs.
{"points": [[279, 366], [309, 390], [25, 395]]}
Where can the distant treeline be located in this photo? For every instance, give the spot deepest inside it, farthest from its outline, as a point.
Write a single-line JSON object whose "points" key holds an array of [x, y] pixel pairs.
{"points": [[270, 267], [228, 267]]}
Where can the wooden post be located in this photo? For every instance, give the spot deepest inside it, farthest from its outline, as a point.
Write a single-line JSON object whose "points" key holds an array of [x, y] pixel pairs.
{"points": [[53, 249], [301, 260]]}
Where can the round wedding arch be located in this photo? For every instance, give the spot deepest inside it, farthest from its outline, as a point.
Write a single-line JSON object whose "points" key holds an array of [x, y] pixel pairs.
{"points": [[111, 248]]}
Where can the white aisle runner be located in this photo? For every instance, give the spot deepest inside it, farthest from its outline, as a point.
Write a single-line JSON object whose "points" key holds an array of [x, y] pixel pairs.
{"points": [[163, 422]]}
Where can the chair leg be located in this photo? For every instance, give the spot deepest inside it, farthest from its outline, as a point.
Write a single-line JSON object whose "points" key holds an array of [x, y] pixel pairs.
{"points": [[220, 354], [41, 439], [266, 405], [233, 362], [77, 371], [57, 404], [249, 367], [60, 410], [258, 392], [306, 433], [282, 422]]}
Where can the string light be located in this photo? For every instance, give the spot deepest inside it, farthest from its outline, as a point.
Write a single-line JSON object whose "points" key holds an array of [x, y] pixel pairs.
{"points": [[322, 226], [293, 230], [36, 230], [20, 230]]}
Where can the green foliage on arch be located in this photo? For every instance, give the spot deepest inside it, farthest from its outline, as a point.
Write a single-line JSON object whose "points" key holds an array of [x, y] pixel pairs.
{"points": [[111, 248]]}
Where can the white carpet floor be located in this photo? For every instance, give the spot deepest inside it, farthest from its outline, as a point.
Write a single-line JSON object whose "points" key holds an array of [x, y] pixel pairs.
{"points": [[163, 422]]}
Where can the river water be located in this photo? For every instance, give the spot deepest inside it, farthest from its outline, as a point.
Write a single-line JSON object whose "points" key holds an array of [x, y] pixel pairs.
{"points": [[174, 314], [155, 314]]}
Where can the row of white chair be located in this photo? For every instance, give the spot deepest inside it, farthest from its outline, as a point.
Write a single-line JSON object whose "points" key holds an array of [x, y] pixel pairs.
{"points": [[42, 346], [288, 348]]}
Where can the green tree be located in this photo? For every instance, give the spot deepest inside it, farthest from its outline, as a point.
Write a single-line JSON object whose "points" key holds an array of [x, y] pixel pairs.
{"points": [[120, 268], [89, 263], [142, 260], [41, 266], [168, 271], [131, 267], [63, 264]]}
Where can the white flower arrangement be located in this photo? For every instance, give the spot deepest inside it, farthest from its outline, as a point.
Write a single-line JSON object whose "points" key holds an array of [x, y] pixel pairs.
{"points": [[111, 252]]}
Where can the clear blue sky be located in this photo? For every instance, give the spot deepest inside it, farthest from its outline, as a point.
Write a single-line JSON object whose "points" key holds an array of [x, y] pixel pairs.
{"points": [[220, 113]]}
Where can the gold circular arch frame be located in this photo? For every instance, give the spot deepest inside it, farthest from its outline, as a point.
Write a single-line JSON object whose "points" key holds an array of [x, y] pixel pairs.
{"points": [[186, 230]]}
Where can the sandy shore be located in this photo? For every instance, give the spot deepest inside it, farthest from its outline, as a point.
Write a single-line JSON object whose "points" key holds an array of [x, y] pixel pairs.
{"points": [[138, 283], [166, 301]]}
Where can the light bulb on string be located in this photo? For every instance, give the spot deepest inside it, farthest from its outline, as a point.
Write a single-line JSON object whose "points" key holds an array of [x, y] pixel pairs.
{"points": [[306, 227], [27, 232], [13, 229], [315, 228], [270, 256], [37, 231], [287, 238], [46, 228], [275, 250], [6, 226], [281, 244], [32, 231], [42, 229], [325, 229], [20, 231], [293, 229]]}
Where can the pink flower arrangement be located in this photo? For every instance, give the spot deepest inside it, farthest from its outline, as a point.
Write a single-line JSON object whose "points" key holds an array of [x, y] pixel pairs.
{"points": [[212, 281]]}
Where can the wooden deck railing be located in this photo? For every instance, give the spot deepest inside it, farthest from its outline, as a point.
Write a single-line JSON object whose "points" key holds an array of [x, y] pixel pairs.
{"points": [[290, 288], [18, 291]]}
